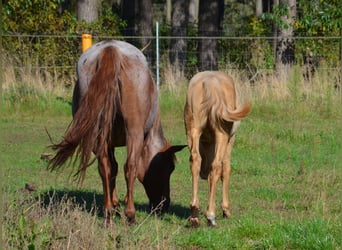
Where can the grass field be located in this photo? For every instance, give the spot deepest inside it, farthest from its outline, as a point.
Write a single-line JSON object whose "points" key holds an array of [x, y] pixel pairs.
{"points": [[285, 190]]}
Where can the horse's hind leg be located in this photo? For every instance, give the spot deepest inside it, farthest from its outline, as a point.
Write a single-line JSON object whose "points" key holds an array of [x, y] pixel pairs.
{"points": [[114, 173], [108, 168], [134, 148]]}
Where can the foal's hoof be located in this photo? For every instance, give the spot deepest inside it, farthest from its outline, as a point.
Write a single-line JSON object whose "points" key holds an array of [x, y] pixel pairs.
{"points": [[226, 214], [194, 222], [211, 221]]}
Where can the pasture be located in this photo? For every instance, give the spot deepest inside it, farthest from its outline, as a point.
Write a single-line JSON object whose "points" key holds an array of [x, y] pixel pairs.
{"points": [[285, 189]]}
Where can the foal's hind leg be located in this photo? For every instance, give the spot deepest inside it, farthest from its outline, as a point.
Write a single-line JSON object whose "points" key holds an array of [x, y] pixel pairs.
{"points": [[195, 166], [108, 169], [225, 179], [215, 174]]}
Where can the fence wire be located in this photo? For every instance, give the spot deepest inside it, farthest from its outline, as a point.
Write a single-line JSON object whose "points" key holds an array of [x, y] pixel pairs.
{"points": [[58, 54]]}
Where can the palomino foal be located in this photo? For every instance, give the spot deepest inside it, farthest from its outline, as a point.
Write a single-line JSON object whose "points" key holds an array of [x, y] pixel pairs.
{"points": [[211, 117]]}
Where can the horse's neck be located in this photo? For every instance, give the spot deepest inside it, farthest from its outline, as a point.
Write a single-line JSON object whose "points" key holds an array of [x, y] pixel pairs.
{"points": [[155, 141]]}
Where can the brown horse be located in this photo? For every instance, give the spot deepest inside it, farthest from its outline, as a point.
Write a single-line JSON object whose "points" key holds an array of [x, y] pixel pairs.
{"points": [[115, 103], [211, 118]]}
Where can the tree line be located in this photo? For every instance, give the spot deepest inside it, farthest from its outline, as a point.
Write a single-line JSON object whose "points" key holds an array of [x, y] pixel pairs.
{"points": [[283, 20]]}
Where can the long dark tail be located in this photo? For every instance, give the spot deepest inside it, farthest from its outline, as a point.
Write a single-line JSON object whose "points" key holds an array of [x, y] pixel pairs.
{"points": [[91, 128]]}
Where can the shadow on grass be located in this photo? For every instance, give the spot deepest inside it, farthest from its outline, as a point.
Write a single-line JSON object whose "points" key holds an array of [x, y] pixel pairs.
{"points": [[92, 202]]}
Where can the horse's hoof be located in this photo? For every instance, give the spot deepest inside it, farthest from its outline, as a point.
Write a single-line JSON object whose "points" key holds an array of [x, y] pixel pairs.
{"points": [[130, 221], [108, 222], [108, 217], [194, 222]]}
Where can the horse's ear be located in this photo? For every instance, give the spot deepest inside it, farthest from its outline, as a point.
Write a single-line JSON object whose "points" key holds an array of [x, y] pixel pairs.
{"points": [[176, 148]]}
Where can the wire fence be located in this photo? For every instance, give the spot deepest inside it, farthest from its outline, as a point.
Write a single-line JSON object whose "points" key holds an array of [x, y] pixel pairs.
{"points": [[58, 54]]}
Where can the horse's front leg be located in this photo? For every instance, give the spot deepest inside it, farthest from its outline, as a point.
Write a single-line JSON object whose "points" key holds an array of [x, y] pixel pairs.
{"points": [[107, 167]]}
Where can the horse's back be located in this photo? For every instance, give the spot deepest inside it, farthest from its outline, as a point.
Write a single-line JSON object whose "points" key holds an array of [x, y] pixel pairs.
{"points": [[125, 48]]}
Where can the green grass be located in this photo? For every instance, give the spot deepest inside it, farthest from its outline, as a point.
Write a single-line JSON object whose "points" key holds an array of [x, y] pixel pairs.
{"points": [[285, 190]]}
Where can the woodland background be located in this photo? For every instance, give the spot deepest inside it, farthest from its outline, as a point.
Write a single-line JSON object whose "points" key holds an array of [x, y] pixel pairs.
{"points": [[260, 37]]}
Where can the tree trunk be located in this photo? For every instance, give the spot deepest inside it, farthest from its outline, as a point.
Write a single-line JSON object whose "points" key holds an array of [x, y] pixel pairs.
{"points": [[128, 14], [138, 16], [209, 22], [258, 8], [274, 29], [285, 51], [87, 10], [193, 11], [180, 15], [145, 26]]}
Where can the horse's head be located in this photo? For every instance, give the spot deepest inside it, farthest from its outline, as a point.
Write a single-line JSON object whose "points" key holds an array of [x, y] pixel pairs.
{"points": [[157, 179]]}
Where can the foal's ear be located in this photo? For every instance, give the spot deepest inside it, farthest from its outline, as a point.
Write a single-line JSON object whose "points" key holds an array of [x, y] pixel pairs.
{"points": [[176, 148]]}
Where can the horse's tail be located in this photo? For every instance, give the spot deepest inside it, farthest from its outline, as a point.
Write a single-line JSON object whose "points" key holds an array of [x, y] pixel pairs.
{"points": [[237, 114], [217, 108], [91, 128]]}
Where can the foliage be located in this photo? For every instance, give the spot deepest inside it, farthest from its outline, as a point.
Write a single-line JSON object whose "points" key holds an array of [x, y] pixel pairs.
{"points": [[317, 17], [314, 18], [322, 19], [261, 53], [274, 17], [47, 35], [33, 17]]}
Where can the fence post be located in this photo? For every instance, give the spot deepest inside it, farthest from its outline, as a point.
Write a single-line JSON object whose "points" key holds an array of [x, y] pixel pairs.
{"points": [[86, 41], [157, 53], [340, 75]]}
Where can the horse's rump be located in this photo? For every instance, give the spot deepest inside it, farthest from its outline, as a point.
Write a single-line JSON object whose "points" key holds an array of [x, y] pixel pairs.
{"points": [[91, 127], [213, 94]]}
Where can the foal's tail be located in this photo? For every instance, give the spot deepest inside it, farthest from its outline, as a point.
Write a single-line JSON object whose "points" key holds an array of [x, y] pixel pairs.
{"points": [[215, 103], [237, 114], [91, 128]]}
